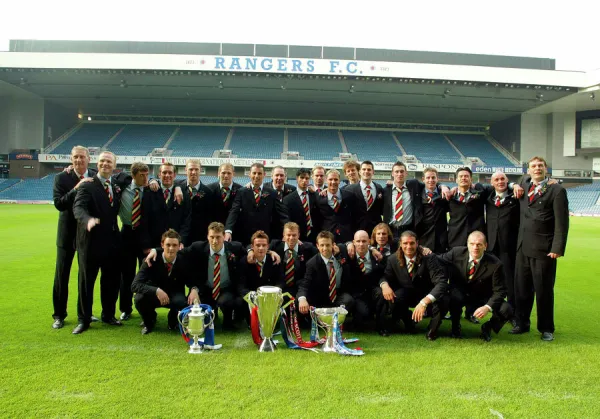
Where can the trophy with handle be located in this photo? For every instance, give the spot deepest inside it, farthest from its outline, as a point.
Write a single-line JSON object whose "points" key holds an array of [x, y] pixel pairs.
{"points": [[325, 320], [269, 302], [195, 326]]}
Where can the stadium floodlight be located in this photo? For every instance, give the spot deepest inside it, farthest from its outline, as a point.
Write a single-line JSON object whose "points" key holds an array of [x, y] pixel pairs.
{"points": [[220, 84], [446, 93], [351, 90], [89, 118], [539, 97]]}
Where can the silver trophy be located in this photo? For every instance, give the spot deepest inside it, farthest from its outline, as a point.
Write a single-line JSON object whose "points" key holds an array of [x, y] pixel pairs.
{"points": [[325, 320], [194, 325], [269, 301]]}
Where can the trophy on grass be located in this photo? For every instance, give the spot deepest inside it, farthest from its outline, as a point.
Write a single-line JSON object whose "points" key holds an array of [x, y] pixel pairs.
{"points": [[325, 320], [193, 324], [265, 305]]}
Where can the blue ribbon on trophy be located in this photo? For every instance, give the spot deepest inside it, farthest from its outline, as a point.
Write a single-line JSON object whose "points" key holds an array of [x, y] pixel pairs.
{"points": [[331, 319], [208, 342]]}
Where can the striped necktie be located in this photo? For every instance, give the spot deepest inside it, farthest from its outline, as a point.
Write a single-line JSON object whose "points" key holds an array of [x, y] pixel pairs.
{"points": [[224, 194], [259, 268], [169, 268], [399, 206], [472, 268], [361, 265], [166, 194], [193, 191], [306, 213], [336, 204], [136, 210], [461, 197], [289, 268], [531, 193], [257, 195], [429, 197], [108, 191], [369, 198], [332, 285], [216, 289], [498, 201], [411, 268]]}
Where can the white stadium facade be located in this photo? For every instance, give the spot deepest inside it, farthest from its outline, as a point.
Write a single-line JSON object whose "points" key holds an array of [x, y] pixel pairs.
{"points": [[294, 106]]}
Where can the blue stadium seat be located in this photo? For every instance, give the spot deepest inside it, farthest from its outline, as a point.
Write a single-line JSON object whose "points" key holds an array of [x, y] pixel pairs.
{"points": [[198, 141], [372, 145], [583, 199], [429, 148], [479, 146], [7, 183], [139, 140], [315, 144], [89, 135], [257, 143], [30, 190]]}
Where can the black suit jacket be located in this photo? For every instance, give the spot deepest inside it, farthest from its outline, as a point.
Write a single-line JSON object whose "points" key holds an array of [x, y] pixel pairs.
{"points": [[432, 228], [429, 278], [63, 194], [150, 278], [272, 275], [502, 223], [221, 209], [315, 284], [544, 222], [247, 216], [488, 283], [92, 201], [467, 217], [286, 190], [306, 251], [293, 203], [159, 216], [195, 258], [202, 208], [362, 218], [414, 189], [363, 283], [340, 223]]}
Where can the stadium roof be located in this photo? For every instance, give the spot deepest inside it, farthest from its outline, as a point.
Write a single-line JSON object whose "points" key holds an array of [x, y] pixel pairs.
{"points": [[285, 82]]}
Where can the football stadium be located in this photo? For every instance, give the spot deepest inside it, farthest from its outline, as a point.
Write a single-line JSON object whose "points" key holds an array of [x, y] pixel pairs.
{"points": [[290, 109]]}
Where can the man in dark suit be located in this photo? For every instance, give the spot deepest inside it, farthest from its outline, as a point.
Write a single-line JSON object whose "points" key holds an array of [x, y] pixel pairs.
{"points": [[382, 240], [334, 206], [133, 189], [262, 271], [351, 170], [412, 279], [162, 284], [294, 256], [65, 188], [254, 208], [502, 220], [402, 206], [200, 198], [224, 193], [327, 281], [302, 208], [431, 220], [467, 208], [98, 243], [365, 271], [367, 205], [542, 240], [318, 177], [477, 279], [161, 211], [278, 183]]}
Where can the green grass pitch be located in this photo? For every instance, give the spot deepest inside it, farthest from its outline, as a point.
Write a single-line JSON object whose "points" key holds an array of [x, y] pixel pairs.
{"points": [[116, 372]]}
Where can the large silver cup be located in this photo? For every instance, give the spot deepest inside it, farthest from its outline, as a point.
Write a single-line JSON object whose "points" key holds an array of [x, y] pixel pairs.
{"points": [[325, 319], [269, 301], [195, 327]]}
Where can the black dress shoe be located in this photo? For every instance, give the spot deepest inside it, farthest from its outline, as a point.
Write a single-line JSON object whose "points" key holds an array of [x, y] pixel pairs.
{"points": [[146, 330], [80, 328], [456, 333], [383, 332], [431, 336], [58, 324], [513, 322], [94, 319], [486, 332], [125, 316], [518, 330], [547, 337], [473, 319], [112, 322]]}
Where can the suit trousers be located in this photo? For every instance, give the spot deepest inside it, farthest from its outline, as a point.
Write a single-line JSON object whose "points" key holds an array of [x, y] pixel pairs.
{"points": [[109, 284], [147, 303], [228, 302], [397, 230], [508, 259], [131, 258], [501, 313], [535, 277], [60, 291]]}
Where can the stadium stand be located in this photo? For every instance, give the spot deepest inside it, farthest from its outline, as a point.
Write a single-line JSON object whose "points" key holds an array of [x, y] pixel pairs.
{"points": [[257, 143], [429, 147], [7, 183], [198, 141], [30, 190], [315, 144], [479, 146], [89, 135], [372, 145], [583, 199], [139, 140]]}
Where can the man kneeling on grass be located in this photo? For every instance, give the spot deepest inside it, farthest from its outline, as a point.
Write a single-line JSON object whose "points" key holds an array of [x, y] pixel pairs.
{"points": [[163, 285]]}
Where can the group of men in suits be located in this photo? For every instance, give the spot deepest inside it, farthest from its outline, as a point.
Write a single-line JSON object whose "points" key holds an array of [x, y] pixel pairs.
{"points": [[376, 249]]}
